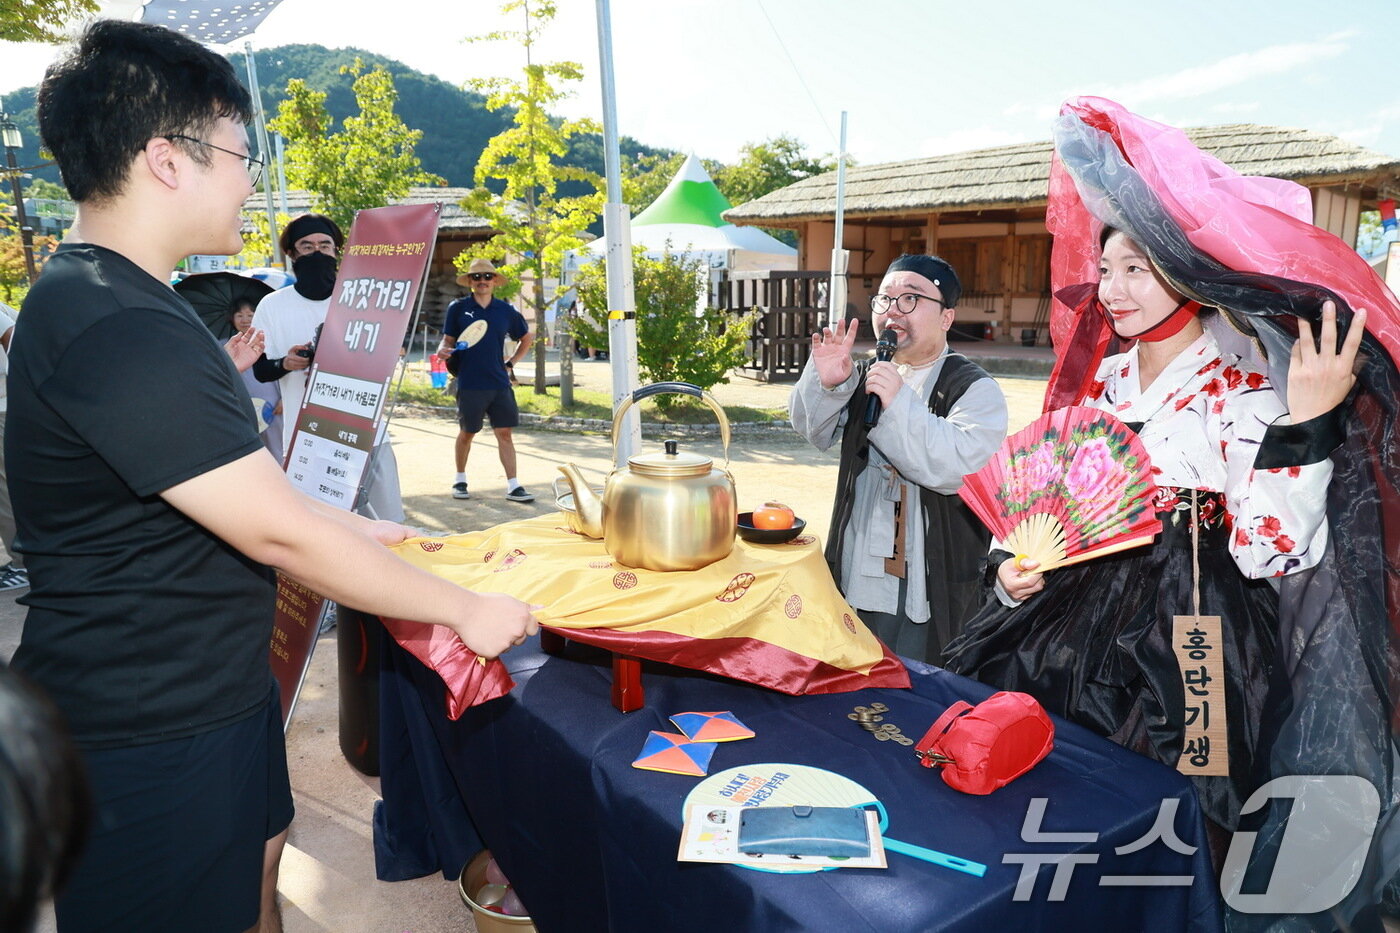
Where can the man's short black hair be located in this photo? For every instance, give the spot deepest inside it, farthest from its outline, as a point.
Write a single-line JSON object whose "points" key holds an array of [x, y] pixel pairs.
{"points": [[122, 85]]}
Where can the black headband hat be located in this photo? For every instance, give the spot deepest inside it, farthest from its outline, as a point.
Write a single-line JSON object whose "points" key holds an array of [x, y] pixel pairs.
{"points": [[307, 224], [936, 271]]}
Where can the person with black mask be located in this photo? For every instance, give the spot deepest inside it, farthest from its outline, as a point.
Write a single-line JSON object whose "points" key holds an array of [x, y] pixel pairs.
{"points": [[290, 318], [289, 315]]}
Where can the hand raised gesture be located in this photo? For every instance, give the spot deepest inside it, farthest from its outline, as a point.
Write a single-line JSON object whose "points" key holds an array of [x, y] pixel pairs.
{"points": [[245, 348], [1320, 376], [831, 352]]}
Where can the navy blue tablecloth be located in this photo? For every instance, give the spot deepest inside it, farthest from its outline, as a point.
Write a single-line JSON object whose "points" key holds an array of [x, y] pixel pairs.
{"points": [[543, 778]]}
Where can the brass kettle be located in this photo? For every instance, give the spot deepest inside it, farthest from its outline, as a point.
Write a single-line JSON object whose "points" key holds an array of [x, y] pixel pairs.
{"points": [[663, 511]]}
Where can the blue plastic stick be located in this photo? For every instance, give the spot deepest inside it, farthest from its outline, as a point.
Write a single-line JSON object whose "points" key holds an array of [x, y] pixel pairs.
{"points": [[936, 857]]}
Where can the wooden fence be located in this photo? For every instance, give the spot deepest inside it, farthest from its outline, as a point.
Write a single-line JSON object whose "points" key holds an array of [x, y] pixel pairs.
{"points": [[789, 306]]}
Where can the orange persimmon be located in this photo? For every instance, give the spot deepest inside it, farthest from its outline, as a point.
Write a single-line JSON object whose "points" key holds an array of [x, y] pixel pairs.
{"points": [[773, 515]]}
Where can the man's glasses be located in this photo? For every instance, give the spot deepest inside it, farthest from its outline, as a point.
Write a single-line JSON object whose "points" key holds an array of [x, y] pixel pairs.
{"points": [[481, 276], [253, 165], [902, 304]]}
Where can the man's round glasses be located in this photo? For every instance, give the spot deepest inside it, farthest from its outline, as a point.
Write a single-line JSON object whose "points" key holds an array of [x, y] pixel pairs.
{"points": [[481, 276], [902, 304], [253, 165]]}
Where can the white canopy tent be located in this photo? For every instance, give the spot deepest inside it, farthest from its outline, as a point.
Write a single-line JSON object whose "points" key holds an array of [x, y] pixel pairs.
{"points": [[686, 220]]}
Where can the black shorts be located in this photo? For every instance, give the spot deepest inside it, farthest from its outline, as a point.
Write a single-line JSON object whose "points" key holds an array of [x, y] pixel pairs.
{"points": [[179, 829], [497, 404]]}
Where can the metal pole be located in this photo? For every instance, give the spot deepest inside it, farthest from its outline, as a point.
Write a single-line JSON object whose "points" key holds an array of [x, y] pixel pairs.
{"points": [[840, 258], [266, 150], [281, 172], [617, 223], [25, 231]]}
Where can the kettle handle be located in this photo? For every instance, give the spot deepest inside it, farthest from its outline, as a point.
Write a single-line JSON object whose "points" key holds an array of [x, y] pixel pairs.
{"points": [[673, 388]]}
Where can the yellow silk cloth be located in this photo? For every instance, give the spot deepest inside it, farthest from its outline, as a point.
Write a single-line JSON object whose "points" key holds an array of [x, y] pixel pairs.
{"points": [[782, 595]]}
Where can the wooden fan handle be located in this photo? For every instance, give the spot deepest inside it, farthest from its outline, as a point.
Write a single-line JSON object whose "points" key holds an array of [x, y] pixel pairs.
{"points": [[1103, 552]]}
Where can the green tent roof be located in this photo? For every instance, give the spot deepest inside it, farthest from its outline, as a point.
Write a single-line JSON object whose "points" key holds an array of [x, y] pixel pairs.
{"points": [[691, 198]]}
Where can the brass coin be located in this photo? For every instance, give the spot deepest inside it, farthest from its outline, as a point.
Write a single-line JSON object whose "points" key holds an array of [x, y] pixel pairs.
{"points": [[882, 736], [903, 740], [879, 707]]}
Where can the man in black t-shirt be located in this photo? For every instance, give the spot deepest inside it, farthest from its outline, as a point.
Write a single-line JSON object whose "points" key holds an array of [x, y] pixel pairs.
{"points": [[151, 516]]}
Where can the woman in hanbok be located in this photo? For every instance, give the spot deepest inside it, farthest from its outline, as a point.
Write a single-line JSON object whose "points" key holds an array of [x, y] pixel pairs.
{"points": [[1203, 309]]}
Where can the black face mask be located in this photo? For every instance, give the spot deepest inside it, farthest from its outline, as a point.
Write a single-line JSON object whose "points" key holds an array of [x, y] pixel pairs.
{"points": [[315, 274]]}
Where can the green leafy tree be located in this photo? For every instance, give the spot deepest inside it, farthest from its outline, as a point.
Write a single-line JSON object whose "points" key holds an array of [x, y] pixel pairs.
{"points": [[767, 166], [674, 343], [41, 20], [14, 275], [39, 188], [1369, 233], [257, 239], [369, 162], [524, 164]]}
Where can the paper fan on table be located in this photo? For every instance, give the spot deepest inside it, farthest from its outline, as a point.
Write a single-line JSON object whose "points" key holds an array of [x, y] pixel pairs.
{"points": [[1075, 483]]}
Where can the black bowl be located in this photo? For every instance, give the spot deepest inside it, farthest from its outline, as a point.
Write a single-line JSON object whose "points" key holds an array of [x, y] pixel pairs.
{"points": [[768, 535]]}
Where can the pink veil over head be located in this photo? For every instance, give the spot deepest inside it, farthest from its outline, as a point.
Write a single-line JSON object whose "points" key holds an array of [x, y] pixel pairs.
{"points": [[1247, 247], [1114, 167]]}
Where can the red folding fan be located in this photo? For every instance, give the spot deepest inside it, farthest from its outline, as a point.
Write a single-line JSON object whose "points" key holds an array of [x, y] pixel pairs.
{"points": [[1075, 483]]}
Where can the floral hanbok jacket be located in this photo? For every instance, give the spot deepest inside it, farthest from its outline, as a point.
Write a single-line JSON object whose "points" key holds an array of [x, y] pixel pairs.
{"points": [[1204, 421]]}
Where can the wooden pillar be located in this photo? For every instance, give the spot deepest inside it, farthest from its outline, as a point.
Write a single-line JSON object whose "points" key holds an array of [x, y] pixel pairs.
{"points": [[1008, 280], [931, 240]]}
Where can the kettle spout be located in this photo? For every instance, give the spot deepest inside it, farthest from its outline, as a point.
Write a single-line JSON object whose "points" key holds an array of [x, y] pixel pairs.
{"points": [[587, 518]]}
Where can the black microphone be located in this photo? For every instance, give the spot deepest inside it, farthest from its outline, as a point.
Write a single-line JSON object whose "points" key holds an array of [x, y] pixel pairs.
{"points": [[884, 352]]}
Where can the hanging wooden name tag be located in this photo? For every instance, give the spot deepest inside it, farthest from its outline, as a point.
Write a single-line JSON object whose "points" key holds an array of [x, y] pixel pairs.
{"points": [[1200, 655], [894, 564]]}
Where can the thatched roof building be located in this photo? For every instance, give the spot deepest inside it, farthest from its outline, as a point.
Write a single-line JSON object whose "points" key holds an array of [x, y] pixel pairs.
{"points": [[1016, 177], [984, 211]]}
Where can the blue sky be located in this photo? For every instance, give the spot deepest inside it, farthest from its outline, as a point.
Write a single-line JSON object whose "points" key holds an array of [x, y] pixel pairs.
{"points": [[918, 77]]}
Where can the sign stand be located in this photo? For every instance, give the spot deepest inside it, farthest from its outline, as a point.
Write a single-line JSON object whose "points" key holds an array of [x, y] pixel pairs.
{"points": [[376, 292]]}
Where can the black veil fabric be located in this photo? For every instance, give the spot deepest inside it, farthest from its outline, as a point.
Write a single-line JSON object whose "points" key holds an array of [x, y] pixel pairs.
{"points": [[1331, 709]]}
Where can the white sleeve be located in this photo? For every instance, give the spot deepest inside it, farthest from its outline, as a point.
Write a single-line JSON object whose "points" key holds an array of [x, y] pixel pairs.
{"points": [[1279, 515], [815, 410], [935, 452]]}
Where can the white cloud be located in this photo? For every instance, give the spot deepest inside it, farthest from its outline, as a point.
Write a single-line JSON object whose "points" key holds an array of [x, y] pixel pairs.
{"points": [[973, 137], [1231, 108], [1367, 136], [1230, 71]]}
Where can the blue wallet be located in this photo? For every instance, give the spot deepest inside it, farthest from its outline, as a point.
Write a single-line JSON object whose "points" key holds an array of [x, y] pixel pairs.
{"points": [[830, 831]]}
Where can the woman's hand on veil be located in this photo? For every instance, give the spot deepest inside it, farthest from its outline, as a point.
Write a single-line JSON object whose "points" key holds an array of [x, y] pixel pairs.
{"points": [[1320, 376], [1018, 577]]}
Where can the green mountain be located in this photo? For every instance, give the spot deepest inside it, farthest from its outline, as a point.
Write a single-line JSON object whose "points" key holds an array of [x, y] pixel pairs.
{"points": [[456, 124]]}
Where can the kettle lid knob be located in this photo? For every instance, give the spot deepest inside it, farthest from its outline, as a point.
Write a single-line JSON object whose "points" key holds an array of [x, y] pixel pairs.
{"points": [[672, 448]]}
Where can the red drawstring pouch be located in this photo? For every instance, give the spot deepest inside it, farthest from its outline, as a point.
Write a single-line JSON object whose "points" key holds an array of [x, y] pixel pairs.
{"points": [[981, 748]]}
